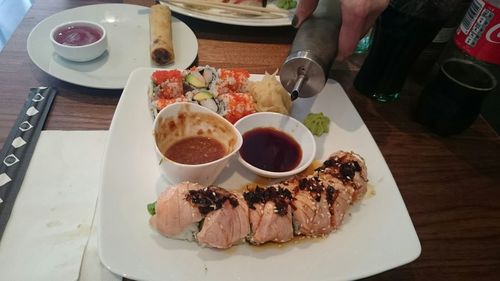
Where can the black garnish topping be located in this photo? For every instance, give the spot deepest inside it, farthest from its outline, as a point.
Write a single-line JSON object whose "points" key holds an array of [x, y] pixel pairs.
{"points": [[314, 186], [303, 183], [349, 169], [211, 198], [357, 166], [329, 163], [331, 194], [342, 168], [281, 197], [233, 201]]}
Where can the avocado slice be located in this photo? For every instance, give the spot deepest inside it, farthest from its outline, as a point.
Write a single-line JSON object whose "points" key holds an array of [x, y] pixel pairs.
{"points": [[203, 95], [196, 81]]}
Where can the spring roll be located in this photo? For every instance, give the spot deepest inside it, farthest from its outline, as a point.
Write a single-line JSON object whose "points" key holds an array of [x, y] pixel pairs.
{"points": [[160, 24]]}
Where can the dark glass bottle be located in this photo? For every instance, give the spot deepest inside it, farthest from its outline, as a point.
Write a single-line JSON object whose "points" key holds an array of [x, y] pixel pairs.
{"points": [[401, 32]]}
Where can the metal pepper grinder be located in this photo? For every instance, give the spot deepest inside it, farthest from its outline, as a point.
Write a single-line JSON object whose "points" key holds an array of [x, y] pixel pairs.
{"points": [[304, 72]]}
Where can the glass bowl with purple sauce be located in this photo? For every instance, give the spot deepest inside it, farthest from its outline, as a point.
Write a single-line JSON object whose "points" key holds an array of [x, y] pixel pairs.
{"points": [[79, 41]]}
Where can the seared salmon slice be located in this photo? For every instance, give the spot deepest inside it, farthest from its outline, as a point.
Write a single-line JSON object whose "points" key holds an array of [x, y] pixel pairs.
{"points": [[226, 226], [174, 215], [270, 213]]}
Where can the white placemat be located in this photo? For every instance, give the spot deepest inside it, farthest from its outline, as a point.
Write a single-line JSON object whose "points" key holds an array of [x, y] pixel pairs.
{"points": [[92, 268], [53, 214]]}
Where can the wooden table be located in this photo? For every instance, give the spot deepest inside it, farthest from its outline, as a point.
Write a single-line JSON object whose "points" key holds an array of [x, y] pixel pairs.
{"points": [[451, 186]]}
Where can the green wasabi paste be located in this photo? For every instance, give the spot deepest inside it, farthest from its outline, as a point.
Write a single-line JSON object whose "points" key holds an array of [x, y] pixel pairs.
{"points": [[317, 123], [286, 4]]}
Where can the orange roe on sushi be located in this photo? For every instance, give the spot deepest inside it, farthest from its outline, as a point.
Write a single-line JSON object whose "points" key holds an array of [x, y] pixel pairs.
{"points": [[238, 105], [161, 76], [232, 80], [169, 82], [162, 103]]}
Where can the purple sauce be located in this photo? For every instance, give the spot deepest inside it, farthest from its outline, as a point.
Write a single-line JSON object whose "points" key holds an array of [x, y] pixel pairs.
{"points": [[77, 35]]}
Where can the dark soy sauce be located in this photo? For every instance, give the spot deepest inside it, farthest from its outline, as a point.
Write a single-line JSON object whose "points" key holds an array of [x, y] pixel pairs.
{"points": [[271, 150]]}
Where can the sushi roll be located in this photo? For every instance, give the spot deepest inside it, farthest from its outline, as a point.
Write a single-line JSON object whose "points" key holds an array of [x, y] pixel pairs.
{"points": [[226, 217], [313, 205], [206, 99], [350, 168], [175, 217], [161, 103], [167, 84], [339, 197], [236, 106], [224, 91], [166, 88], [231, 81], [200, 77], [311, 216], [270, 214]]}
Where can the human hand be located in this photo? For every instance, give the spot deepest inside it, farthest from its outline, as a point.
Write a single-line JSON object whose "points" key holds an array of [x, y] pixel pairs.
{"points": [[358, 16], [304, 9]]}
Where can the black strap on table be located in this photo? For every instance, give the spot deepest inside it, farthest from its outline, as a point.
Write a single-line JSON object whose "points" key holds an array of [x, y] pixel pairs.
{"points": [[19, 146]]}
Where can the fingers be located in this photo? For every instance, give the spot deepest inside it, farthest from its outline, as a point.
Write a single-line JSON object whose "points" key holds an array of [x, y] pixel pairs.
{"points": [[304, 9], [349, 37], [351, 28], [358, 16]]}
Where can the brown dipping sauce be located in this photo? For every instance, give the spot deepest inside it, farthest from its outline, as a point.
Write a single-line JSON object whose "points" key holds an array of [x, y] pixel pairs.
{"points": [[271, 150], [195, 150]]}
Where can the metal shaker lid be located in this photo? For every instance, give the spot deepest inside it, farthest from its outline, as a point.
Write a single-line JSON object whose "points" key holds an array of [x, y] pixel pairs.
{"points": [[302, 74]]}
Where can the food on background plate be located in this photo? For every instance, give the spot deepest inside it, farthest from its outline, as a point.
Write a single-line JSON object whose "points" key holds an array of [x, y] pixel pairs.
{"points": [[269, 95], [307, 205], [161, 44], [317, 123], [223, 91], [286, 4], [261, 3]]}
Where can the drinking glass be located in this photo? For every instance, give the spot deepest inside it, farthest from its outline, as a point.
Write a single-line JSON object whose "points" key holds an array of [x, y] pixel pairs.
{"points": [[364, 43], [400, 34], [451, 102]]}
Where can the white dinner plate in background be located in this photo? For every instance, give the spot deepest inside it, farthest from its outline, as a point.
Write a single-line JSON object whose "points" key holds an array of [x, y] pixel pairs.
{"points": [[127, 29], [221, 16]]}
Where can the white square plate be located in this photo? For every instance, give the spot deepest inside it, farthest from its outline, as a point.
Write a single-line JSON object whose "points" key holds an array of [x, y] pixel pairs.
{"points": [[376, 236]]}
